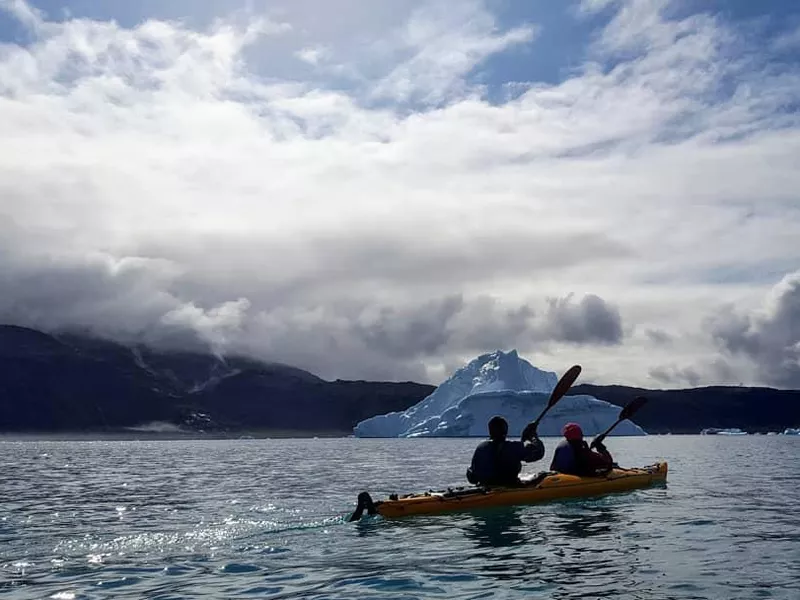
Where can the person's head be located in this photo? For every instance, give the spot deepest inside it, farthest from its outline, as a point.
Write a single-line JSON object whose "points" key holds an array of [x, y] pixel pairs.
{"points": [[572, 432], [498, 428]]}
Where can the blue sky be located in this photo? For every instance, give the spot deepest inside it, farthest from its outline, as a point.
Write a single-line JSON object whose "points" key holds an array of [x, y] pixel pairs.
{"points": [[562, 43], [386, 190], [564, 39]]}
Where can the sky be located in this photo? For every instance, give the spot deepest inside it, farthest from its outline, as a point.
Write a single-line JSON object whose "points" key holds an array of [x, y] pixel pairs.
{"points": [[385, 190]]}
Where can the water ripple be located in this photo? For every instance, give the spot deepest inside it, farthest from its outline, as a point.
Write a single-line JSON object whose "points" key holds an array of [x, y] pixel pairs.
{"points": [[266, 519]]}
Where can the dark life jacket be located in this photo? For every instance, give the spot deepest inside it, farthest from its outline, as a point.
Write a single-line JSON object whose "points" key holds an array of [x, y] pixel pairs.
{"points": [[576, 458], [500, 462]]}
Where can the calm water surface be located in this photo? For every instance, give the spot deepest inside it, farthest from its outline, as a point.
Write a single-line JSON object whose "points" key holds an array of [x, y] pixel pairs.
{"points": [[265, 519]]}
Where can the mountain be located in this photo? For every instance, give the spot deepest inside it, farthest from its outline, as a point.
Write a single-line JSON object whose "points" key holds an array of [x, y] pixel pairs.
{"points": [[754, 409], [79, 383], [498, 383], [70, 382]]}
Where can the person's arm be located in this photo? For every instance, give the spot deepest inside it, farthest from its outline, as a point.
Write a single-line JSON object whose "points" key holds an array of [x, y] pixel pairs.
{"points": [[533, 446], [476, 468], [529, 432], [471, 476], [532, 450], [601, 459]]}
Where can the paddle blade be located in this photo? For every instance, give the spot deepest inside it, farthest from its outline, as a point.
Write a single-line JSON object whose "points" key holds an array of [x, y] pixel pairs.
{"points": [[625, 413], [563, 385], [632, 407]]}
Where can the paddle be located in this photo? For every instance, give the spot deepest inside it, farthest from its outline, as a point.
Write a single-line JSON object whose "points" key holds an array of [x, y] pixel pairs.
{"points": [[626, 413], [562, 387]]}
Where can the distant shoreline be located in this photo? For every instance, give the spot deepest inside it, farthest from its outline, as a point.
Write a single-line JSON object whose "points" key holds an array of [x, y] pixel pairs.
{"points": [[133, 435], [274, 434]]}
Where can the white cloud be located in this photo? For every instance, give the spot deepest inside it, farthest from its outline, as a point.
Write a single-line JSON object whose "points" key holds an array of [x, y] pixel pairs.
{"points": [[768, 337], [26, 14], [157, 177], [444, 42], [788, 41], [216, 325], [313, 55]]}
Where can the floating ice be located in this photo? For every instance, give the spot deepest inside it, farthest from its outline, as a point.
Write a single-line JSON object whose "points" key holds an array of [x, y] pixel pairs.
{"points": [[499, 383]]}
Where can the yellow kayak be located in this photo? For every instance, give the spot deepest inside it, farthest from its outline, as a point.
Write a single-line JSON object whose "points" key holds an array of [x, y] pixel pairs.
{"points": [[542, 488]]}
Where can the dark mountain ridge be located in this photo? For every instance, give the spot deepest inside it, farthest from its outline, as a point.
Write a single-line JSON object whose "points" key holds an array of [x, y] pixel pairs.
{"points": [[753, 409], [78, 383], [74, 383]]}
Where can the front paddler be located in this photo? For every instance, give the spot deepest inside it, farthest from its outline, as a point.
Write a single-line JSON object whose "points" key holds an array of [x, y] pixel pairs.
{"points": [[498, 461]]}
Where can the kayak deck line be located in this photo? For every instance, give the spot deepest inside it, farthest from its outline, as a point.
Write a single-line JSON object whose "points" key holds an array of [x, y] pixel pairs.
{"points": [[543, 487]]}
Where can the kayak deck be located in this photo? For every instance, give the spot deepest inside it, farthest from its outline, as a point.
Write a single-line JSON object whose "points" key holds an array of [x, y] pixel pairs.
{"points": [[541, 488]]}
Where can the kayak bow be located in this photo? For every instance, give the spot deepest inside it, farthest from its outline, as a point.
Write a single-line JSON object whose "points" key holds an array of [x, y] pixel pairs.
{"points": [[542, 488]]}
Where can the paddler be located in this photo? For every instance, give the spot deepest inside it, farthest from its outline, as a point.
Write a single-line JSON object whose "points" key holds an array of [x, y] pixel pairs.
{"points": [[573, 456], [498, 461]]}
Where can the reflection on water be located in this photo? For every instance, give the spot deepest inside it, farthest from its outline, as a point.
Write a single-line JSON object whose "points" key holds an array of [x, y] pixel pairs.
{"points": [[506, 545], [574, 544], [587, 522], [497, 528], [505, 526]]}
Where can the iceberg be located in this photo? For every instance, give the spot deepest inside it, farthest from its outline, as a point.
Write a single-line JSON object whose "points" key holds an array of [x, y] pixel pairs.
{"points": [[791, 431], [718, 431], [497, 383]]}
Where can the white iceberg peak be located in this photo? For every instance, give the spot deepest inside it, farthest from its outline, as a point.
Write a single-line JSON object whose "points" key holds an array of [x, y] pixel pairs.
{"points": [[499, 383]]}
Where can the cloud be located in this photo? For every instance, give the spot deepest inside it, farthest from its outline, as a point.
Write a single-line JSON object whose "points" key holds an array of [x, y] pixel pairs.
{"points": [[676, 375], [591, 320], [639, 25], [402, 339], [443, 42], [216, 325], [658, 336], [313, 55], [455, 324], [769, 337], [27, 15], [380, 213], [404, 334]]}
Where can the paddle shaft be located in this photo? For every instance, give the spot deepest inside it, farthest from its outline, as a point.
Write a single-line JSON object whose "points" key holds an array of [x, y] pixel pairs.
{"points": [[562, 387], [626, 413]]}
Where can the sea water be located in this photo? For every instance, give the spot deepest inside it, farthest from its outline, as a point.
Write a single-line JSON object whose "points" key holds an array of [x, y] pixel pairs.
{"points": [[266, 519]]}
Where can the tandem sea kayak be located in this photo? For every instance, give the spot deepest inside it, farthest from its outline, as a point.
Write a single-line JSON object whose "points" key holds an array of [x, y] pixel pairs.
{"points": [[542, 488]]}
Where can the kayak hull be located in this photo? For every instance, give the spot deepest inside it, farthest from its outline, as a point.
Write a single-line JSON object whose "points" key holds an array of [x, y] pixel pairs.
{"points": [[545, 488]]}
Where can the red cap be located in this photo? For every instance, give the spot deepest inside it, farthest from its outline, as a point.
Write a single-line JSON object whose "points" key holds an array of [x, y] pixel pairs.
{"points": [[572, 431]]}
